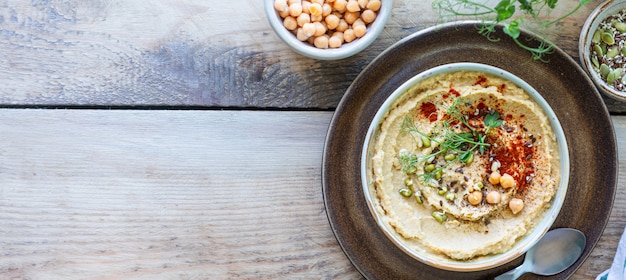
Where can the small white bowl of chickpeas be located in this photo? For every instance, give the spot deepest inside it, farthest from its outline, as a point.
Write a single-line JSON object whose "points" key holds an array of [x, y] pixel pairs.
{"points": [[328, 29]]}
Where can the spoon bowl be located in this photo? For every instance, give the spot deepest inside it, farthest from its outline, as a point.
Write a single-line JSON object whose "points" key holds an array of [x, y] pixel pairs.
{"points": [[556, 251]]}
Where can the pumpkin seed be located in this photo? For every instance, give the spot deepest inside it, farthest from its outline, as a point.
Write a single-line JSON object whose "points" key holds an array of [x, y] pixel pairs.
{"points": [[430, 168], [449, 157], [406, 192], [440, 216], [425, 141], [438, 174], [613, 75], [604, 70], [408, 182], [612, 52], [608, 38], [596, 63], [620, 26], [442, 191], [418, 197], [596, 36], [598, 50], [450, 196]]}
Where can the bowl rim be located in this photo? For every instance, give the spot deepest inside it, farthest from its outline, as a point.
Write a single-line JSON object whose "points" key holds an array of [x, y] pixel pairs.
{"points": [[525, 242], [346, 50], [584, 43]]}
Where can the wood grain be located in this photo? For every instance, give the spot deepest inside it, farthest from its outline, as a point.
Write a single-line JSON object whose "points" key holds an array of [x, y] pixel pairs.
{"points": [[164, 194], [185, 53], [110, 194]]}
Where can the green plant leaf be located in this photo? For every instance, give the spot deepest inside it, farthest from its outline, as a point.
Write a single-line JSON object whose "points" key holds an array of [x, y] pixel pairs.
{"points": [[526, 6], [552, 3], [505, 10], [512, 29], [492, 119]]}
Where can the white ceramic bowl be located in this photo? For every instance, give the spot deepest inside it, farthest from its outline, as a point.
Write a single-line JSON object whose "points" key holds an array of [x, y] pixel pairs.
{"points": [[346, 50], [525, 242], [600, 13]]}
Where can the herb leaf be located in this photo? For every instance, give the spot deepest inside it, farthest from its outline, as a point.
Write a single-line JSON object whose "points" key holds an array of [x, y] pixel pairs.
{"points": [[503, 13], [505, 10], [526, 7], [492, 119]]}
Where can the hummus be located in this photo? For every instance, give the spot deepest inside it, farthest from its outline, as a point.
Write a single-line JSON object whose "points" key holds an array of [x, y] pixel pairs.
{"points": [[464, 164]]}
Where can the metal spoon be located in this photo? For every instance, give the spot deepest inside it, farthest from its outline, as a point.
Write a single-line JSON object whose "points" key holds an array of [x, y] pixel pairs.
{"points": [[556, 251]]}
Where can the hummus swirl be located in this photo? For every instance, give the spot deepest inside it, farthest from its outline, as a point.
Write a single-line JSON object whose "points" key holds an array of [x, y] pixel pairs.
{"points": [[503, 131]]}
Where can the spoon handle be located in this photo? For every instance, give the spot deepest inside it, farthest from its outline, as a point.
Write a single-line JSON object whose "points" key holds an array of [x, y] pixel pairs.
{"points": [[512, 274]]}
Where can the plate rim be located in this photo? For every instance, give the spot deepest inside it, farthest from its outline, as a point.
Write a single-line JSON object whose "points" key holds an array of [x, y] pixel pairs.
{"points": [[460, 24]]}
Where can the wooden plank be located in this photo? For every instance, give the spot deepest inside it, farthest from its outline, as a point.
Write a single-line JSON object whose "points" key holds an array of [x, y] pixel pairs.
{"points": [[179, 53], [109, 194], [164, 194]]}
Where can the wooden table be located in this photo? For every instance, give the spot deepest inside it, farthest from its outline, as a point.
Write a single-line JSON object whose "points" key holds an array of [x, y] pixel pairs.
{"points": [[182, 140]]}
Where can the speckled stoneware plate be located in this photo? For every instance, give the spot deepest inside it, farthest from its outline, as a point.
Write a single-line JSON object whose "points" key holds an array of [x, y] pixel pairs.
{"points": [[561, 82]]}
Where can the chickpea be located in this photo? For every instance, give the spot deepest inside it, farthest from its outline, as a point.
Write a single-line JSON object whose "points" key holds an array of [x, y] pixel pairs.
{"points": [[295, 9], [368, 16], [353, 6], [342, 26], [317, 18], [348, 35], [320, 29], [335, 41], [321, 42], [494, 178], [300, 35], [326, 9], [308, 29], [516, 205], [332, 21], [359, 30], [373, 5], [338, 21], [351, 17], [315, 10], [281, 5], [284, 14], [507, 181], [338, 14], [340, 5], [306, 7], [493, 197], [475, 197], [303, 18], [290, 23]]}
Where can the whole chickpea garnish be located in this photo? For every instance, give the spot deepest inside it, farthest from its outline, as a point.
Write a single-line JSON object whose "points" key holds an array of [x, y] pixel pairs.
{"points": [[475, 197], [493, 197], [507, 181], [516, 205]]}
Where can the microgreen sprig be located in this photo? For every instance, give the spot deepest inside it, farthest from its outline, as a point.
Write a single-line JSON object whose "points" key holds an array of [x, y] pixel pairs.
{"points": [[450, 141], [504, 13]]}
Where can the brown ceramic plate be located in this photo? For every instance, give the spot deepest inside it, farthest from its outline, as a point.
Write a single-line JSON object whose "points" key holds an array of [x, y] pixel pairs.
{"points": [[562, 83]]}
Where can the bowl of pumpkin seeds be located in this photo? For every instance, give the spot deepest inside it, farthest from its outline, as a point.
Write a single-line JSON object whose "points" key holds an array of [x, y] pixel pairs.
{"points": [[602, 48]]}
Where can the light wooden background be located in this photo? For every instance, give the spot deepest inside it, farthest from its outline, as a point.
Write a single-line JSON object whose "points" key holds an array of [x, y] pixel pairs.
{"points": [[232, 191]]}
